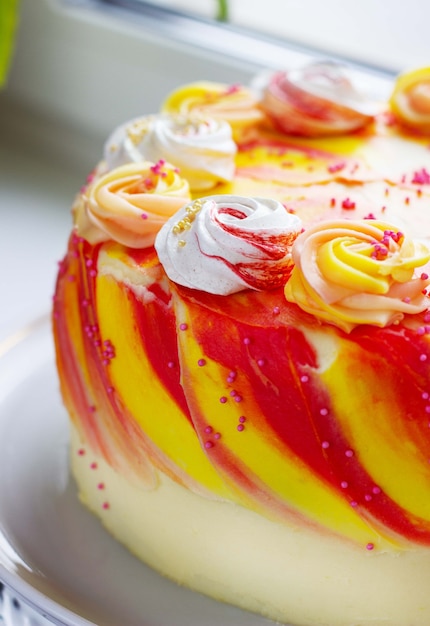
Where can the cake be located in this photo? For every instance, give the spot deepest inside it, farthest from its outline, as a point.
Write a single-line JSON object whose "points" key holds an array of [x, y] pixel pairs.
{"points": [[242, 333]]}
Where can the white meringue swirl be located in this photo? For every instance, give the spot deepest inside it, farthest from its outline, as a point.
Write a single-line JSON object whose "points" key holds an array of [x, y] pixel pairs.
{"points": [[223, 244], [201, 148]]}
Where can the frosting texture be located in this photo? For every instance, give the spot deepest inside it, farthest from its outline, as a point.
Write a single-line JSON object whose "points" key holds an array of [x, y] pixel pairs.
{"points": [[235, 104], [410, 100], [358, 272], [224, 244], [130, 203], [202, 148], [316, 100]]}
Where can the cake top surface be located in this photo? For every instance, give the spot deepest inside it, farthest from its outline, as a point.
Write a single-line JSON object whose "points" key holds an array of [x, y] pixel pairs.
{"points": [[301, 181]]}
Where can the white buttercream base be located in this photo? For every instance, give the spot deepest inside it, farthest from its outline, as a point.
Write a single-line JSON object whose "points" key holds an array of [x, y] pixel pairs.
{"points": [[292, 575]]}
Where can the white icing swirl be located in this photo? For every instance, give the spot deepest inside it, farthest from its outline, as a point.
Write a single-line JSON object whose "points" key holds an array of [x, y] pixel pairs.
{"points": [[201, 148], [223, 244]]}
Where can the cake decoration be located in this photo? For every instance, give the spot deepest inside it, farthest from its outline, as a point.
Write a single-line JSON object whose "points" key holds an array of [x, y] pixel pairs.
{"points": [[410, 100], [316, 100], [223, 244], [201, 148], [354, 272], [130, 203], [235, 104]]}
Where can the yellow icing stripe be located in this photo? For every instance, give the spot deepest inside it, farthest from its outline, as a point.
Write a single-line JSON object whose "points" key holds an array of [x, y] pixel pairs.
{"points": [[284, 474], [381, 439], [142, 392]]}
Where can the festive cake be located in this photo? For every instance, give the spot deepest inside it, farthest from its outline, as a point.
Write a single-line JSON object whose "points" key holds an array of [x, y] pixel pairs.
{"points": [[243, 344]]}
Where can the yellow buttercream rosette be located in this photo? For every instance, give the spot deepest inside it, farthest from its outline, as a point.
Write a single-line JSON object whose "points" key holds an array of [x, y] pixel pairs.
{"points": [[235, 104], [130, 204], [358, 272], [410, 100]]}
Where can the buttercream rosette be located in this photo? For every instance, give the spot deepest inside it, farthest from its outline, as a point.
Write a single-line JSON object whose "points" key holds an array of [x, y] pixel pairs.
{"points": [[201, 148], [130, 204], [410, 100], [352, 272], [316, 100], [236, 104], [223, 244]]}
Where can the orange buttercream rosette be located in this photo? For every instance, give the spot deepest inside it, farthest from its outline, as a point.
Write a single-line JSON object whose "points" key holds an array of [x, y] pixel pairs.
{"points": [[130, 204]]}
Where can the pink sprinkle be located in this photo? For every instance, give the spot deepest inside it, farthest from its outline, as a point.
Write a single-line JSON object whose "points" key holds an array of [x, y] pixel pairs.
{"points": [[354, 503], [183, 326], [336, 167], [93, 273], [425, 395], [370, 546], [423, 357], [101, 486], [92, 408], [208, 445], [231, 89], [170, 364], [344, 484], [348, 204], [422, 177], [349, 453], [201, 362], [144, 216], [93, 465], [88, 262], [247, 341], [110, 390], [238, 398], [304, 379], [106, 505], [325, 445], [324, 412], [81, 452], [424, 276], [276, 310], [261, 362], [217, 436], [242, 419], [368, 497], [223, 399], [208, 429], [376, 490], [240, 427]]}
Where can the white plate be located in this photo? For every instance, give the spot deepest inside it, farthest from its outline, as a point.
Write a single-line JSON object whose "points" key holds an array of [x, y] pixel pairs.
{"points": [[54, 555]]}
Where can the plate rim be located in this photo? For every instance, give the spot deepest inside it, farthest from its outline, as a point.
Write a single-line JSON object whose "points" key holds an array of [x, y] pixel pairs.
{"points": [[25, 592]]}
